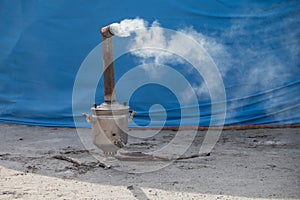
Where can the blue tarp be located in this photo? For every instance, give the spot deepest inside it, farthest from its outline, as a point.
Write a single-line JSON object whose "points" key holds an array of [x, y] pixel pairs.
{"points": [[44, 43]]}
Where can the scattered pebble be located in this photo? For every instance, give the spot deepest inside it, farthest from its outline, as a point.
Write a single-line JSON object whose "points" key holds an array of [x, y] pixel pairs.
{"points": [[130, 187]]}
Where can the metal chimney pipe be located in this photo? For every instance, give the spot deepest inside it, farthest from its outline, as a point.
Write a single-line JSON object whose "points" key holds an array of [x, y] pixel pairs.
{"points": [[108, 65]]}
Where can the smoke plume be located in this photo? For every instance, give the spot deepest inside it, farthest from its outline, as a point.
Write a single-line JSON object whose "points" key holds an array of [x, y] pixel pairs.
{"points": [[128, 26], [248, 63], [153, 45]]}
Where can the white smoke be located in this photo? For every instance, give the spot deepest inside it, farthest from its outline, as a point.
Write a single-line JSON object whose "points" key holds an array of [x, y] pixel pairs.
{"points": [[158, 45], [153, 45], [269, 69], [128, 26]]}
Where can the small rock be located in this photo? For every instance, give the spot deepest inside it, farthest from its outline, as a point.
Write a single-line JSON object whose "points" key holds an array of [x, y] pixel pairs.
{"points": [[175, 182], [130, 187]]}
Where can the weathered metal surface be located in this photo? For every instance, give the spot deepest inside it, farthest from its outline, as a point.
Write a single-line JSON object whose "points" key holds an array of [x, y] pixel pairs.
{"points": [[108, 64], [110, 126], [105, 32]]}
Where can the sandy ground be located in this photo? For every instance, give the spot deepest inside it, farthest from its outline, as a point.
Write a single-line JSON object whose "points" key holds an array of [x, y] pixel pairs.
{"points": [[244, 164]]}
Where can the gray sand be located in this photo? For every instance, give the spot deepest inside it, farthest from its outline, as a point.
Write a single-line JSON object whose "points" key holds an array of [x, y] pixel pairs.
{"points": [[244, 164]]}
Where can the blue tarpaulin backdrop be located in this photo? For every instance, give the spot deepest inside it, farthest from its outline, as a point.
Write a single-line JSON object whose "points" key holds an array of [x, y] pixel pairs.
{"points": [[43, 43]]}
